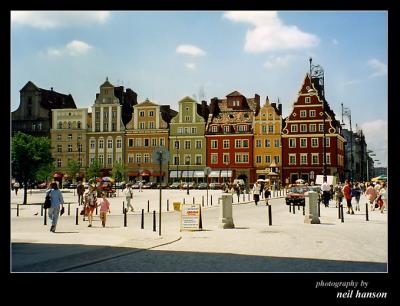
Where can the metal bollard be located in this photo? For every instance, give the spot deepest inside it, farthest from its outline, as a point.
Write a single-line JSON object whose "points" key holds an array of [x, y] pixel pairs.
{"points": [[167, 204], [366, 212], [298, 207], [41, 210], [238, 198], [319, 209], [45, 216], [304, 210], [154, 221], [142, 222], [125, 217], [290, 207], [294, 209], [77, 216], [96, 210], [269, 214], [69, 209], [148, 205], [202, 201], [211, 201], [341, 212], [17, 210]]}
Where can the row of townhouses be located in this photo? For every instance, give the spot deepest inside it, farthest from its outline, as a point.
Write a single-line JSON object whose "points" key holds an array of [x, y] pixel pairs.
{"points": [[238, 137]]}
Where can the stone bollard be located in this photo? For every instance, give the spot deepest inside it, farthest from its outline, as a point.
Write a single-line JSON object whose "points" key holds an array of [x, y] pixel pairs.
{"points": [[312, 204], [226, 220]]}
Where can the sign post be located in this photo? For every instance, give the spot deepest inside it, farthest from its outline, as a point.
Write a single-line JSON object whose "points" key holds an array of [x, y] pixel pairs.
{"points": [[207, 171], [191, 217]]}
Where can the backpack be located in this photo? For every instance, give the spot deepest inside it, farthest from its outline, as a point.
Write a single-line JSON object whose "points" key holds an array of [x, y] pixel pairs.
{"points": [[47, 201]]}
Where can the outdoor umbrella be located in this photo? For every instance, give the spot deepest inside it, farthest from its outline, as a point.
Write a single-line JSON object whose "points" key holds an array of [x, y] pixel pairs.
{"points": [[107, 179]]}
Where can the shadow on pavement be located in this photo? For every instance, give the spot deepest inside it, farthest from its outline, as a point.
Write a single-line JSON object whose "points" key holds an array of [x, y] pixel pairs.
{"points": [[32, 257]]}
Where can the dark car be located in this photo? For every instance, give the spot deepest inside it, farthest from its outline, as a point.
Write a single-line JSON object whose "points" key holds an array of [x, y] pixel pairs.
{"points": [[150, 185], [295, 196], [202, 186]]}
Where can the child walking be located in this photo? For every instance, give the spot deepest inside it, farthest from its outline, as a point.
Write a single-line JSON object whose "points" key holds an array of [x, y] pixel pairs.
{"points": [[104, 208]]}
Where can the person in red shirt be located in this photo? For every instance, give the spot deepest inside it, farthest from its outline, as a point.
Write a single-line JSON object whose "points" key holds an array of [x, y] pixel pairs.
{"points": [[347, 196]]}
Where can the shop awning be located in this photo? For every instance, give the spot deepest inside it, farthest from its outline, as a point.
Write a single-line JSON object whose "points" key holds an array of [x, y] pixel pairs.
{"points": [[186, 173], [145, 173], [198, 174], [58, 175], [226, 173], [133, 173], [214, 173], [174, 173], [158, 174]]}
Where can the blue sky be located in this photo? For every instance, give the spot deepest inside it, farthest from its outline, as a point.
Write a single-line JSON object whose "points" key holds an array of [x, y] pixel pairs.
{"points": [[165, 56]]}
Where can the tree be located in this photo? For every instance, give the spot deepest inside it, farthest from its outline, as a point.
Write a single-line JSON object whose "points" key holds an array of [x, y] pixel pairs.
{"points": [[119, 171], [28, 155], [45, 172], [93, 170], [73, 168]]}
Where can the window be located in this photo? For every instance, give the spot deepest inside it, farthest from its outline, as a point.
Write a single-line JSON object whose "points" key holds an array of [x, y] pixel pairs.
{"points": [[151, 124], [97, 116], [292, 159], [226, 143], [138, 158], [267, 143], [162, 142], [59, 162], [303, 127], [105, 126], [59, 137], [226, 158], [321, 127], [109, 143], [268, 159], [69, 125], [187, 144], [214, 158], [146, 158], [119, 143], [198, 159], [138, 142], [277, 143], [313, 127], [91, 160], [245, 143], [303, 159], [176, 160], [293, 128], [59, 148], [312, 113], [277, 159], [92, 144], [141, 114], [292, 142], [141, 125], [258, 143], [114, 114], [314, 158], [176, 144], [188, 118], [238, 143], [130, 142], [113, 127], [151, 113], [59, 125], [180, 130], [79, 147], [79, 137], [101, 159], [154, 142], [214, 144], [101, 143], [303, 113], [69, 136], [264, 128], [245, 158], [270, 129], [146, 142], [327, 142], [242, 128], [79, 124], [97, 127], [328, 158], [258, 159], [109, 159], [303, 142], [194, 130], [226, 128], [314, 142], [308, 100], [214, 129], [131, 158], [198, 144]]}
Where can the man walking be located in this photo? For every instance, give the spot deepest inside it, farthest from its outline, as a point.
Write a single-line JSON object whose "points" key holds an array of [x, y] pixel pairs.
{"points": [[128, 196], [326, 192], [80, 189]]}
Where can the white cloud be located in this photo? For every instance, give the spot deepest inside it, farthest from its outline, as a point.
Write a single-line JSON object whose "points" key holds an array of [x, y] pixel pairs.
{"points": [[376, 136], [269, 33], [54, 19], [379, 68], [191, 66], [73, 48], [279, 61], [190, 50]]}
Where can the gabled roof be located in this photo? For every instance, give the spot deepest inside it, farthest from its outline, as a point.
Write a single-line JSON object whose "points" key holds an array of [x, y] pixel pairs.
{"points": [[187, 99], [107, 84], [234, 94], [146, 102], [30, 85]]}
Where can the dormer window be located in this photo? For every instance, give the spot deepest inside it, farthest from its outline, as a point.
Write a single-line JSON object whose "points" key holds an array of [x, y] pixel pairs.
{"points": [[308, 100], [226, 129], [214, 129]]}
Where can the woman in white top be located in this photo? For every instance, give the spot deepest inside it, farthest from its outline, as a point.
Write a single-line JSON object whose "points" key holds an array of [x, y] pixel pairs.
{"points": [[256, 192]]}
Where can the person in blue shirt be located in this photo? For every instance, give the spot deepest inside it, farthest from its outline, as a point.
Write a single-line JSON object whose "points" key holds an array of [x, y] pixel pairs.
{"points": [[56, 200]]}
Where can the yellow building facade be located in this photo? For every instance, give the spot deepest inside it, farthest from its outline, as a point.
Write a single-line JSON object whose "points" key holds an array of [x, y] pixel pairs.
{"points": [[267, 125]]}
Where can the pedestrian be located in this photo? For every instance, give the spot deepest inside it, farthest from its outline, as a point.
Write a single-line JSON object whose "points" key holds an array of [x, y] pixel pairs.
{"points": [[80, 190], [338, 194], [256, 192], [128, 196], [267, 194], [356, 193], [325, 192], [90, 197], [104, 208], [16, 187], [347, 196], [56, 200], [370, 193], [383, 196], [140, 186]]}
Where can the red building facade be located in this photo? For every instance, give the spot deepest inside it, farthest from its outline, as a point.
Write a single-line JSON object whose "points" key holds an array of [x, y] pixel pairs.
{"points": [[303, 136], [230, 137]]}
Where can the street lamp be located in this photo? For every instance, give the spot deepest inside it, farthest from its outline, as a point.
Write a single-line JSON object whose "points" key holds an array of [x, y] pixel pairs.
{"points": [[187, 162]]}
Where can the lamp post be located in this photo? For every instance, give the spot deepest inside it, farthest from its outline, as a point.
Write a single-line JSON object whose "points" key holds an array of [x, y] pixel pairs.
{"points": [[177, 154], [187, 161]]}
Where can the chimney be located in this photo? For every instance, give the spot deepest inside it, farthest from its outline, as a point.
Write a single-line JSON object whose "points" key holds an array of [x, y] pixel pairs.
{"points": [[51, 88], [280, 108]]}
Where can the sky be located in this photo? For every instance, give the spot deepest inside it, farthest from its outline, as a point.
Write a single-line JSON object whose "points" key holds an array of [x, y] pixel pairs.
{"points": [[167, 55]]}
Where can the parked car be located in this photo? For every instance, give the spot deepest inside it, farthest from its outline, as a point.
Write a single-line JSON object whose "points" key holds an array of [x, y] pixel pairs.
{"points": [[191, 185], [66, 185], [202, 186], [215, 186], [175, 185], [72, 186], [42, 185], [163, 185], [295, 196], [150, 185]]}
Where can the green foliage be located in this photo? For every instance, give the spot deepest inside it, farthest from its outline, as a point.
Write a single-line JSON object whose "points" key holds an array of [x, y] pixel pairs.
{"points": [[93, 171], [45, 172], [73, 168], [119, 171]]}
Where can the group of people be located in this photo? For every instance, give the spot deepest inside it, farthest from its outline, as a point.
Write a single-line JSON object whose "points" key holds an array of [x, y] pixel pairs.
{"points": [[375, 193], [258, 189]]}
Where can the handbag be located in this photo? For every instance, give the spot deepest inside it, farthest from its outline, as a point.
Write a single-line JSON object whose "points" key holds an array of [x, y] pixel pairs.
{"points": [[47, 201], [62, 211]]}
